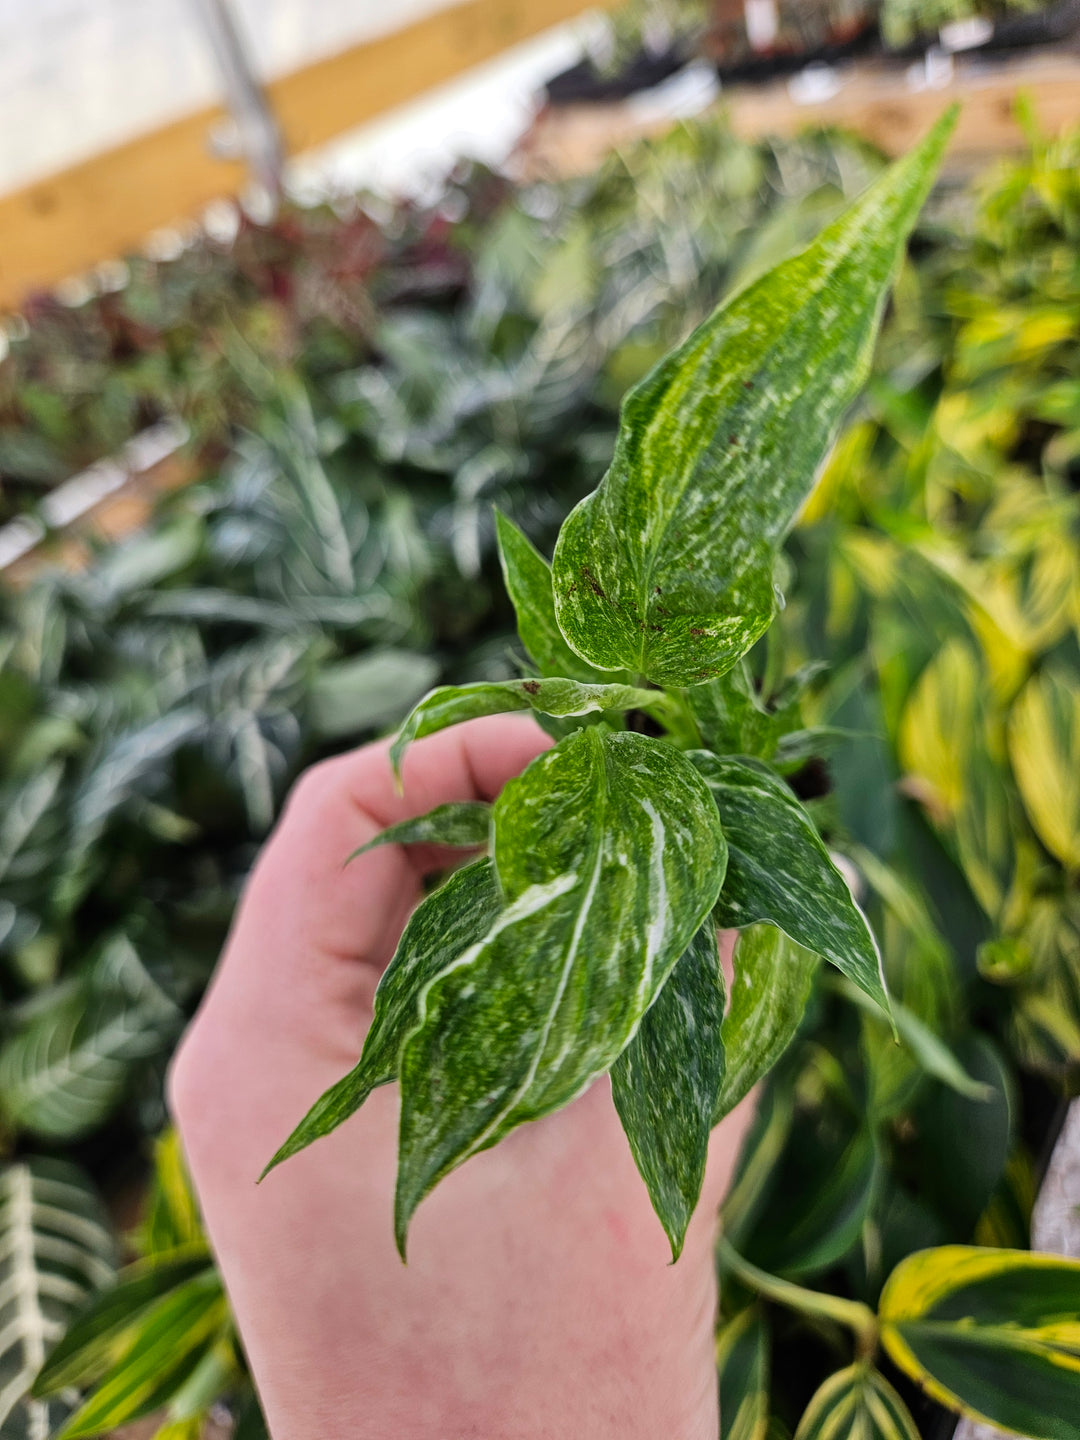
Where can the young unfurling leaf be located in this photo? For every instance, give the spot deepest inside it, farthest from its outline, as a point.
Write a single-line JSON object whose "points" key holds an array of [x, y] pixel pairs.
{"points": [[609, 860], [666, 1084], [779, 871], [443, 926], [451, 704], [461, 822], [666, 569]]}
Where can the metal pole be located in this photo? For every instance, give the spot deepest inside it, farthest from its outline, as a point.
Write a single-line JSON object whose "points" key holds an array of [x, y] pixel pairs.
{"points": [[258, 138]]}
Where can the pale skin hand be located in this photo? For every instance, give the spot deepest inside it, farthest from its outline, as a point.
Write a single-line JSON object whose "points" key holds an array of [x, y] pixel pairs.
{"points": [[538, 1302]]}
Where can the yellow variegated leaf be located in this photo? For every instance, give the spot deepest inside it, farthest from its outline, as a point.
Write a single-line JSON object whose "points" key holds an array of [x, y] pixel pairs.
{"points": [[994, 1333], [938, 721], [742, 1358], [1044, 745], [856, 1404]]}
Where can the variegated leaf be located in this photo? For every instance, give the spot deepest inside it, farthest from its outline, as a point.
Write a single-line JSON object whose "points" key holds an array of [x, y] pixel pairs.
{"points": [[459, 822], [995, 1333], [609, 859], [773, 978], [1044, 746], [857, 1404], [779, 871], [528, 583], [667, 568], [742, 1358], [667, 1081], [451, 704], [442, 928], [730, 716]]}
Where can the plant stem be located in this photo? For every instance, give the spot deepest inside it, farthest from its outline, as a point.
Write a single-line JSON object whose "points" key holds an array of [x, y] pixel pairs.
{"points": [[852, 1313]]}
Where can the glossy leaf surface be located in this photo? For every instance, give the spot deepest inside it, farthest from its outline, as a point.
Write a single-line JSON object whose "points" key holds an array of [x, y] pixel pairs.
{"points": [[773, 978], [528, 583], [779, 871], [441, 928], [610, 854], [666, 569], [666, 1084], [459, 822], [994, 1332], [452, 704]]}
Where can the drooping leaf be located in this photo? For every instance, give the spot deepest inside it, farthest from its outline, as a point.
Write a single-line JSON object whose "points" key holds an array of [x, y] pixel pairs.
{"points": [[167, 1346], [779, 871], [773, 978], [528, 583], [742, 1359], [666, 569], [451, 704], [857, 1404], [63, 1073], [995, 1333], [459, 822], [56, 1249], [98, 1333], [607, 854], [667, 1081], [442, 928]]}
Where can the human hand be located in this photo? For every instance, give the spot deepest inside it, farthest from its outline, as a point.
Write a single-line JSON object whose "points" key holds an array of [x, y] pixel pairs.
{"points": [[539, 1300]]}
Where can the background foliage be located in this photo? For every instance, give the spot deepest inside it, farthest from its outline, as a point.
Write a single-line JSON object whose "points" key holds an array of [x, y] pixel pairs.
{"points": [[372, 390]]}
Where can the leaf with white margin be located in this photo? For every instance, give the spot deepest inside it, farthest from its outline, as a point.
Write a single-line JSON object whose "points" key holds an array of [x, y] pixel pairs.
{"points": [[453, 704], [773, 979], [666, 569], [459, 822], [666, 1084], [441, 927], [610, 855], [779, 871]]}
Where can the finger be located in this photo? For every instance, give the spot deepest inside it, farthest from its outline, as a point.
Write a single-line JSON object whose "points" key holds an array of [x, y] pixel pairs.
{"points": [[356, 913]]}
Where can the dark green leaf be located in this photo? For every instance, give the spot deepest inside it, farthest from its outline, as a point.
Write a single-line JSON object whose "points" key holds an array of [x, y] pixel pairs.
{"points": [[528, 583], [773, 978], [460, 822], [667, 568], [666, 1084], [442, 928], [779, 871], [607, 854], [993, 1332], [742, 1358], [451, 704]]}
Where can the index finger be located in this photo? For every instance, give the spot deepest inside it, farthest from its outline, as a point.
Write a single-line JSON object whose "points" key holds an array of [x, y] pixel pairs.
{"points": [[357, 913]]}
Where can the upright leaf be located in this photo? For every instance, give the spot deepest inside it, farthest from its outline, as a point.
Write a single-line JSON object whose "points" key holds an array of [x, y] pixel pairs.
{"points": [[610, 855], [666, 1084], [779, 871], [452, 704], [857, 1404], [731, 717], [773, 978], [666, 569], [742, 1358], [995, 1333], [1044, 745], [441, 929], [528, 583]]}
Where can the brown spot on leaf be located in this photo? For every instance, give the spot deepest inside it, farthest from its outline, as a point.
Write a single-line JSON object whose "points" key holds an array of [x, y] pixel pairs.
{"points": [[531, 687], [592, 582], [695, 631]]}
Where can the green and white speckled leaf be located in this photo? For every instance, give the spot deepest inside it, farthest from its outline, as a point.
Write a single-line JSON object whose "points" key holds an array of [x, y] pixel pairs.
{"points": [[773, 977], [440, 929], [857, 1404], [730, 717], [780, 871], [460, 822], [667, 568], [610, 855], [452, 704], [528, 583], [666, 1084]]}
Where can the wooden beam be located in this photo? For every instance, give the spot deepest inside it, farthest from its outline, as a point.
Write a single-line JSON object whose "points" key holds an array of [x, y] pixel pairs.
{"points": [[877, 101], [69, 222]]}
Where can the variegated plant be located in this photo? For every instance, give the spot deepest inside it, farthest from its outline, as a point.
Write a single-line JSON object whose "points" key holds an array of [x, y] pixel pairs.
{"points": [[585, 942]]}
